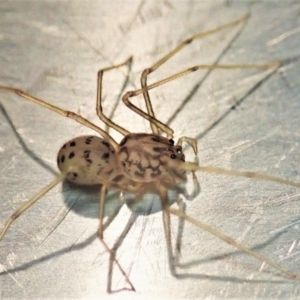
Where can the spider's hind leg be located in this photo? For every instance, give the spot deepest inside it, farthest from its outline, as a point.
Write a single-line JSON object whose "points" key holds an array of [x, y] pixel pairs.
{"points": [[113, 252], [30, 202]]}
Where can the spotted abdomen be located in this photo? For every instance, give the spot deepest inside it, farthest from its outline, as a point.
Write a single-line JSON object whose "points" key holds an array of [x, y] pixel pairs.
{"points": [[86, 156]]}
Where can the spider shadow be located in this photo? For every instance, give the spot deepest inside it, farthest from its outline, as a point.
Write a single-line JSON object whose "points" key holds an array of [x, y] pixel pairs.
{"points": [[84, 200], [230, 254], [24, 146], [149, 205]]}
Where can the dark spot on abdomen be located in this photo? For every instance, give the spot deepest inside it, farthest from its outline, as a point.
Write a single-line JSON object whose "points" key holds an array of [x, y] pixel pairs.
{"points": [[105, 156], [89, 140], [86, 154], [106, 144]]}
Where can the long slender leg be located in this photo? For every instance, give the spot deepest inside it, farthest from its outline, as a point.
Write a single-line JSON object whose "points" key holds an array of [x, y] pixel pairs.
{"points": [[62, 112], [163, 126], [232, 242], [190, 141], [40, 194], [114, 249], [99, 109], [227, 239], [193, 143], [45, 190], [112, 259], [167, 228], [196, 188], [112, 216], [103, 191], [147, 71], [188, 166], [148, 103], [182, 209], [30, 202]]}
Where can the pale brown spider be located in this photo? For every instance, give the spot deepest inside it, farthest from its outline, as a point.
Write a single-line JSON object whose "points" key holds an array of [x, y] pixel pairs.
{"points": [[142, 162]]}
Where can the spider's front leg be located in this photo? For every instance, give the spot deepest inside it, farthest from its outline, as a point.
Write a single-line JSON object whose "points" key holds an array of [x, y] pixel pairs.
{"points": [[144, 77], [163, 193], [191, 141], [181, 221], [157, 125], [273, 66]]}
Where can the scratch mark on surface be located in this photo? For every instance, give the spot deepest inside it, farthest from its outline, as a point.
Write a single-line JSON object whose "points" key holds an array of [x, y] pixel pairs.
{"points": [[283, 37], [3, 269]]}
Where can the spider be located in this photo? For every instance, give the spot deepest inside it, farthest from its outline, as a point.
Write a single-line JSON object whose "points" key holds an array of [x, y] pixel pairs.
{"points": [[142, 163]]}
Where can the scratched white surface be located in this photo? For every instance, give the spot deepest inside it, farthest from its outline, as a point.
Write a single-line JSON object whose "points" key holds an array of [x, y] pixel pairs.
{"points": [[53, 50]]}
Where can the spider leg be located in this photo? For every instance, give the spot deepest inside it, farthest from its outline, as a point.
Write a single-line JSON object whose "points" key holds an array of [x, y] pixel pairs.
{"points": [[182, 209], [118, 243], [154, 67], [113, 252], [105, 185], [99, 109], [232, 242], [30, 202], [62, 112], [47, 188], [196, 189], [167, 228], [273, 65], [192, 142], [188, 166], [113, 259], [103, 191], [112, 216]]}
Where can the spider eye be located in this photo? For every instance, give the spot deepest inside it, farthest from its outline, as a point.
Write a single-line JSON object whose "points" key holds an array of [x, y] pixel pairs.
{"points": [[173, 156], [172, 141], [179, 151]]}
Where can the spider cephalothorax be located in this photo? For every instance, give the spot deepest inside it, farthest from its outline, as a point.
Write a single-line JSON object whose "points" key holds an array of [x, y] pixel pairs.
{"points": [[146, 157]]}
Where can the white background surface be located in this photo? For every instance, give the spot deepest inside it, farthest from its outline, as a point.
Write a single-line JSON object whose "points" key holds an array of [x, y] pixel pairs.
{"points": [[53, 50]]}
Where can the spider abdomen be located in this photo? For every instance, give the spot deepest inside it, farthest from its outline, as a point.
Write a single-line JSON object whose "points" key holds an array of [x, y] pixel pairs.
{"points": [[148, 157], [87, 159]]}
